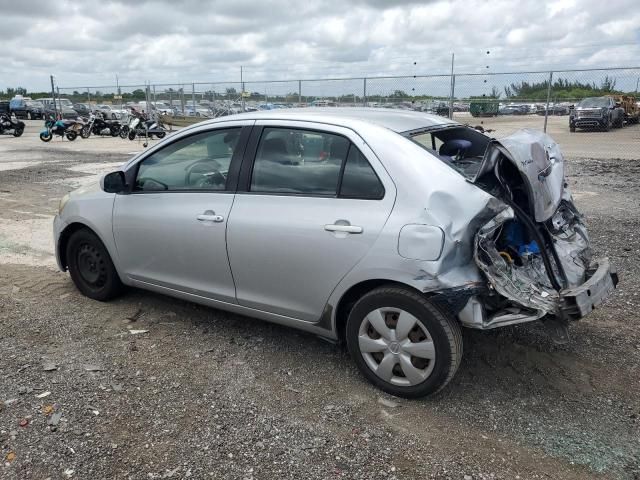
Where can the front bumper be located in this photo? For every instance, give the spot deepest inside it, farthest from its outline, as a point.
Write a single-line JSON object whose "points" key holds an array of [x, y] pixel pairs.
{"points": [[592, 122], [578, 302]]}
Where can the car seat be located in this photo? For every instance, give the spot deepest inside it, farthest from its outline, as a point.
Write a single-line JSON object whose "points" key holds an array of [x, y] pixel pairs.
{"points": [[455, 148]]}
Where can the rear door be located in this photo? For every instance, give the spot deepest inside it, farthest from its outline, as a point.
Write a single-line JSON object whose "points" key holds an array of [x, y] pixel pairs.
{"points": [[312, 200]]}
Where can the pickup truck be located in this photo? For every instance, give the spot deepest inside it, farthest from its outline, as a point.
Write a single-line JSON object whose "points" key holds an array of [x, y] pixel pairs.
{"points": [[596, 112]]}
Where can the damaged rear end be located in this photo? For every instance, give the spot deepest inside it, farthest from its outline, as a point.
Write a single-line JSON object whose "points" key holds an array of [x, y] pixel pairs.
{"points": [[535, 253]]}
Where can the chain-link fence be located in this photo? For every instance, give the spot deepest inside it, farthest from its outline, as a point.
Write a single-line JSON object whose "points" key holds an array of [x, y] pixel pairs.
{"points": [[554, 101]]}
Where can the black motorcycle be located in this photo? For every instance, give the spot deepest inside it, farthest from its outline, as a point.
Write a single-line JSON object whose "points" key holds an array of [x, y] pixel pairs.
{"points": [[65, 128], [97, 125], [9, 123]]}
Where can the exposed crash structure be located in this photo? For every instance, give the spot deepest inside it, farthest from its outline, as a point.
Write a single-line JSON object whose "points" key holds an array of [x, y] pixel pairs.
{"points": [[534, 250]]}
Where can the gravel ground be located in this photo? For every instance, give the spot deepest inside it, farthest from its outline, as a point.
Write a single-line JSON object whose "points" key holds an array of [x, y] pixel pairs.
{"points": [[201, 393]]}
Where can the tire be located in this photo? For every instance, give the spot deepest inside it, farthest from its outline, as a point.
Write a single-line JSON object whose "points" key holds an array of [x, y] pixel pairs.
{"points": [[132, 135], [572, 129], [607, 126], [85, 132], [46, 137], [91, 268], [18, 132], [161, 134], [124, 132], [113, 116], [29, 116], [71, 136], [439, 331]]}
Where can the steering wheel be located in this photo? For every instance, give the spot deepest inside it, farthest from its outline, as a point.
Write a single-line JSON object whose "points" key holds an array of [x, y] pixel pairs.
{"points": [[212, 175]]}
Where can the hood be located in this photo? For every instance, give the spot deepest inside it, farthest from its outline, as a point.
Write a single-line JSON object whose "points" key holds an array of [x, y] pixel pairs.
{"points": [[539, 161]]}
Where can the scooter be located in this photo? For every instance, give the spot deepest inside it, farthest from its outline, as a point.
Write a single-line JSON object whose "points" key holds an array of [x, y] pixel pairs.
{"points": [[8, 123], [64, 128], [140, 126], [98, 126]]}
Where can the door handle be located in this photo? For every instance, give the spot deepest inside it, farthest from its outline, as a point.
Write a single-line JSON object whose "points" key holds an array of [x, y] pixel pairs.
{"points": [[343, 228], [210, 216]]}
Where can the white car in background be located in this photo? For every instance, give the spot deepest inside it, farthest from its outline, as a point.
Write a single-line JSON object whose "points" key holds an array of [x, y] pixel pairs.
{"points": [[109, 112]]}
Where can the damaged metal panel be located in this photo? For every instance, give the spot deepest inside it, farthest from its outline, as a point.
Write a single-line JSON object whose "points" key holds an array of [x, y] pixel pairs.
{"points": [[538, 158]]}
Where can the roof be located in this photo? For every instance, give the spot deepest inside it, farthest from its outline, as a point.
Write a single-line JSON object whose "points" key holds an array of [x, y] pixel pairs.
{"points": [[393, 119]]}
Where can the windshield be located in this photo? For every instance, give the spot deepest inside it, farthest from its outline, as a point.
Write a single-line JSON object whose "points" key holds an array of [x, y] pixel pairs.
{"points": [[594, 102]]}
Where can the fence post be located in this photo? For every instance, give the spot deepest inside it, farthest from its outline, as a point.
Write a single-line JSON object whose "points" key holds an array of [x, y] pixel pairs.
{"points": [[53, 96], [452, 94], [364, 92], [546, 109], [154, 95], [193, 98], [88, 96], [299, 91]]}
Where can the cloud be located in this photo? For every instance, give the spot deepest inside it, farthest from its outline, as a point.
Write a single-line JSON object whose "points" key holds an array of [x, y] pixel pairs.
{"points": [[164, 41]]}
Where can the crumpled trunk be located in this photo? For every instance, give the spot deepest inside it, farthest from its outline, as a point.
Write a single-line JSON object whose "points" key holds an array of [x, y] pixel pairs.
{"points": [[506, 249]]}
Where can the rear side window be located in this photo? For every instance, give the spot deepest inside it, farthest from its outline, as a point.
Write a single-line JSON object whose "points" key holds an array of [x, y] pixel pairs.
{"points": [[359, 180], [298, 161]]}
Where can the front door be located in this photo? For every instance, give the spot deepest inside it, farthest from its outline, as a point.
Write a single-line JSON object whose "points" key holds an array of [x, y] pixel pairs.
{"points": [[310, 209], [171, 229]]}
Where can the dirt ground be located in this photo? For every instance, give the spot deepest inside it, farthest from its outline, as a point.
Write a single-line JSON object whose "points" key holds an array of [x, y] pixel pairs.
{"points": [[206, 394]]}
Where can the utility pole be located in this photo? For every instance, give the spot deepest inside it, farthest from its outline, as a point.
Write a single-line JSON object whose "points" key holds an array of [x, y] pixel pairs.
{"points": [[117, 84], [53, 97]]}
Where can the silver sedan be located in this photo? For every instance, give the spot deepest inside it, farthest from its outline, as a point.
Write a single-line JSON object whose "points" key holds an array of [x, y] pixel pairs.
{"points": [[386, 230]]}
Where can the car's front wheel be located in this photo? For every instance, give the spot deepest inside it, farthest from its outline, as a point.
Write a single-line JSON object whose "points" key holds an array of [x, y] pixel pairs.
{"points": [[402, 343], [90, 266]]}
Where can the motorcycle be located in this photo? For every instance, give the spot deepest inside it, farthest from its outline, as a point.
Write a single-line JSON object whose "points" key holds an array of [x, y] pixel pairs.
{"points": [[97, 125], [64, 128], [9, 122], [141, 126]]}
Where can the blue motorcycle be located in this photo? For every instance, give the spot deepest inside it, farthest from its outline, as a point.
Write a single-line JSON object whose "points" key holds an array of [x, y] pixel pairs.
{"points": [[64, 128]]}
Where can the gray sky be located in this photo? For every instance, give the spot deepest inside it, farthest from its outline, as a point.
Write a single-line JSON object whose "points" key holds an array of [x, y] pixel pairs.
{"points": [[89, 42]]}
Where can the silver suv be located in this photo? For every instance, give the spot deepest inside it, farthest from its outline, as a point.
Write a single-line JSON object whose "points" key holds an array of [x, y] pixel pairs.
{"points": [[387, 230]]}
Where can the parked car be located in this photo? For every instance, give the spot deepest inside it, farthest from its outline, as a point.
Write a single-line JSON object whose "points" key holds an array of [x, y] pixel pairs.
{"points": [[63, 107], [109, 112], [388, 230], [557, 109], [35, 110], [596, 112], [83, 109], [514, 110]]}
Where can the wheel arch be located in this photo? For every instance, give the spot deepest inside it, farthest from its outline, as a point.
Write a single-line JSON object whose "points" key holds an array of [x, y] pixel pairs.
{"points": [[65, 235], [354, 293]]}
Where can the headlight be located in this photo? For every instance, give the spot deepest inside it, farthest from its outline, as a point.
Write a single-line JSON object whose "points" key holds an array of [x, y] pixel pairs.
{"points": [[63, 202]]}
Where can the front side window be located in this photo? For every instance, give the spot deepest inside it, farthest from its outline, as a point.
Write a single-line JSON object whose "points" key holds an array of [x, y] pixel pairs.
{"points": [[298, 162], [197, 162]]}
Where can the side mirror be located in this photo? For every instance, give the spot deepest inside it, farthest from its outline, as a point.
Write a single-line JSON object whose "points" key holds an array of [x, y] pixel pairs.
{"points": [[114, 182]]}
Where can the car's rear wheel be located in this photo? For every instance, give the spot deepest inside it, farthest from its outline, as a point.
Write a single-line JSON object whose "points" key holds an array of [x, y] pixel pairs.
{"points": [[402, 343], [90, 266]]}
